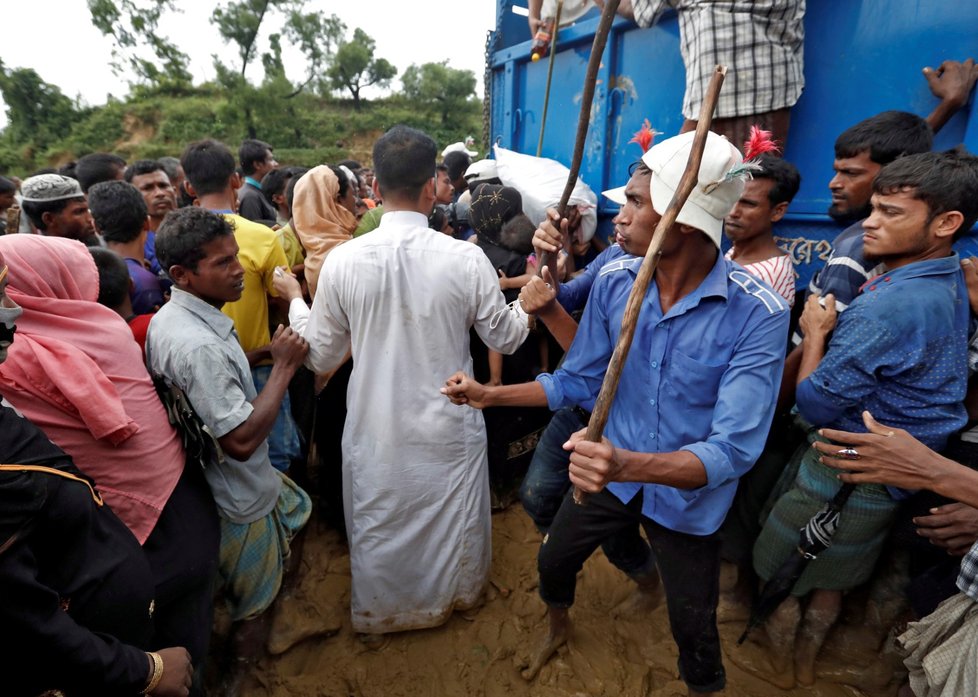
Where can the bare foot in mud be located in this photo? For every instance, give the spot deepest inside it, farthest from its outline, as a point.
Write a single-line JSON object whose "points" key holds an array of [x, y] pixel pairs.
{"points": [[642, 601], [775, 665], [732, 608], [560, 628]]}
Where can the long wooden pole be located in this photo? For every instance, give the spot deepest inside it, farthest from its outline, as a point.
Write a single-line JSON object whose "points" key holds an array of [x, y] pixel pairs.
{"points": [[549, 259], [599, 416], [550, 75]]}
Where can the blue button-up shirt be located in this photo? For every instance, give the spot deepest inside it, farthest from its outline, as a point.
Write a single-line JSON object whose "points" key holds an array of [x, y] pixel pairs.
{"points": [[573, 294], [702, 377], [900, 351]]}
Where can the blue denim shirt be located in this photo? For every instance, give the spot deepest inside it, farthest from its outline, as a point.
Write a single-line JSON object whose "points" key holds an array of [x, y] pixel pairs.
{"points": [[900, 351], [702, 377]]}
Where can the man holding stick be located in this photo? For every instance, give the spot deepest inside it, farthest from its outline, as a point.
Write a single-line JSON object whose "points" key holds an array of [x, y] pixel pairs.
{"points": [[692, 410]]}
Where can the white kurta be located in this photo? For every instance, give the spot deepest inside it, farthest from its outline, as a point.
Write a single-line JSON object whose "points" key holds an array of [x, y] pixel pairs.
{"points": [[415, 478]]}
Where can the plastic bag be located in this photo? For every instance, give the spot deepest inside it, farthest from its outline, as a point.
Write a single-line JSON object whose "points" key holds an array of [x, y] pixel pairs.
{"points": [[541, 182]]}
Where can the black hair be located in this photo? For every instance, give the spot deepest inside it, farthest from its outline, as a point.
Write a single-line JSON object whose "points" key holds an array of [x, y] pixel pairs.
{"points": [[274, 183], [250, 152], [404, 161], [170, 166], [69, 170], [456, 163], [98, 167], [441, 167], [140, 167], [209, 166], [945, 181], [7, 186], [886, 136], [113, 277], [438, 218], [516, 234], [475, 183], [296, 173], [183, 234], [35, 210], [351, 165], [785, 176], [118, 209], [344, 183]]}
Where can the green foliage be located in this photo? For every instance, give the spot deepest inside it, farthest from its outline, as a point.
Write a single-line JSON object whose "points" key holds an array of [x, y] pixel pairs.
{"points": [[37, 112], [442, 89], [132, 26], [354, 67], [317, 36]]}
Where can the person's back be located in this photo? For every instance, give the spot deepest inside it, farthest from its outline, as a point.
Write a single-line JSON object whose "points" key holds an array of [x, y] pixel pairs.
{"points": [[415, 480], [410, 295]]}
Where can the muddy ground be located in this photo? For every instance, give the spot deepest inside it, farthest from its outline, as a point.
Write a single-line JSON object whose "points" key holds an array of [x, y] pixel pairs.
{"points": [[612, 653]]}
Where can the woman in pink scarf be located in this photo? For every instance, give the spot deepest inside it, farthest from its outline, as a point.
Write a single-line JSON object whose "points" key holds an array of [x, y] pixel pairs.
{"points": [[320, 219], [78, 374]]}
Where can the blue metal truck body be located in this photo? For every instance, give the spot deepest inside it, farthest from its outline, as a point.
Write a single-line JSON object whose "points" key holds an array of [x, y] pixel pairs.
{"points": [[861, 57]]}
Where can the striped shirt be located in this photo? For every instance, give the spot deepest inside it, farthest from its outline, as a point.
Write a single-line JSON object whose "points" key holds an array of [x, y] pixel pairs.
{"points": [[777, 272]]}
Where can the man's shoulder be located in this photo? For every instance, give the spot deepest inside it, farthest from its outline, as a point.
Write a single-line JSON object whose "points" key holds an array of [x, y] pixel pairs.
{"points": [[249, 227], [746, 289]]}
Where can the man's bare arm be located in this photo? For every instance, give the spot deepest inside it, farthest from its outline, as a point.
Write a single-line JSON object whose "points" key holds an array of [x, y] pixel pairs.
{"points": [[952, 82], [594, 465]]}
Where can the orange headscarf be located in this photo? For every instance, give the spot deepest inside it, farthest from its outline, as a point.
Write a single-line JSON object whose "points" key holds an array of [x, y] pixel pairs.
{"points": [[320, 221]]}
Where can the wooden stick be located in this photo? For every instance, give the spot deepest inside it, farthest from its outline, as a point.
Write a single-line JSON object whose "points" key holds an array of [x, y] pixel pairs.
{"points": [[549, 259], [550, 75], [599, 416]]}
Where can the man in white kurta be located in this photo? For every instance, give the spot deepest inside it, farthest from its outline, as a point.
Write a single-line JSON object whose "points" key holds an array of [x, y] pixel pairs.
{"points": [[415, 477]]}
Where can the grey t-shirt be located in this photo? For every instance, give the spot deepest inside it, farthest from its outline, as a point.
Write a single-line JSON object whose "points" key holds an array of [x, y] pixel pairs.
{"points": [[194, 346]]}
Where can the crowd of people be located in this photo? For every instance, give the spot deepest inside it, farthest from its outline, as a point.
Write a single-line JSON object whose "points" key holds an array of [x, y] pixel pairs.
{"points": [[196, 353]]}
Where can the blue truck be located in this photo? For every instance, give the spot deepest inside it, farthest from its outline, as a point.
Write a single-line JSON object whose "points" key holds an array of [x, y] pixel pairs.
{"points": [[861, 57]]}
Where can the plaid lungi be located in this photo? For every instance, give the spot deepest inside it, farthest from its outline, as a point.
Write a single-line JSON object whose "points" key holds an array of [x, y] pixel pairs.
{"points": [[864, 525], [941, 650], [252, 554]]}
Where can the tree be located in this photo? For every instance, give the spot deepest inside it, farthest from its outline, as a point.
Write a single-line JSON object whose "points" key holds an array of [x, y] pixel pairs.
{"points": [[354, 67], [37, 112], [239, 22], [317, 36], [130, 26], [438, 87]]}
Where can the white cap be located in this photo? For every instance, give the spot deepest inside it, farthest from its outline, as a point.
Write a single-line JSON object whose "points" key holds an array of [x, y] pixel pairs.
{"points": [[715, 192], [483, 169], [458, 147]]}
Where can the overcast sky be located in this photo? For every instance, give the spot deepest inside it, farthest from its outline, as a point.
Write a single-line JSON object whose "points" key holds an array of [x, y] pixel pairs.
{"points": [[56, 38]]}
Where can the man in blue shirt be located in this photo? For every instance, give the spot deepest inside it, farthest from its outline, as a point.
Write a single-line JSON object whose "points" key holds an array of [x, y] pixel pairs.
{"points": [[256, 160], [692, 408], [898, 351]]}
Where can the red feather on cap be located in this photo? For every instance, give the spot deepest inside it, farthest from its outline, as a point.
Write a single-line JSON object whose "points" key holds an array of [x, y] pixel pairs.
{"points": [[644, 136], [759, 143]]}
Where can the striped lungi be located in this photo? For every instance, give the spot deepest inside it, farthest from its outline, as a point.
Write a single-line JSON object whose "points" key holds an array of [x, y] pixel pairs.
{"points": [[863, 528], [252, 554]]}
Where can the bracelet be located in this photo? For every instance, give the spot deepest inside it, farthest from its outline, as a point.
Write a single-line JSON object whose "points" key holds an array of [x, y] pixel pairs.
{"points": [[157, 675]]}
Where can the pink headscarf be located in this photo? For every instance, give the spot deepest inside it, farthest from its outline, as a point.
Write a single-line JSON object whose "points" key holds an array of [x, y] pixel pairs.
{"points": [[76, 371], [320, 221], [56, 282]]}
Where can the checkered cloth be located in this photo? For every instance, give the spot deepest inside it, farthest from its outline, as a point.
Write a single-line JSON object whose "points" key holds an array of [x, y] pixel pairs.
{"points": [[940, 649], [760, 42], [968, 576], [252, 554]]}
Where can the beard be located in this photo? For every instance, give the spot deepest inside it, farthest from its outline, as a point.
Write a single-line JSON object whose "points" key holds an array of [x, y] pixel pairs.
{"points": [[848, 216]]}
